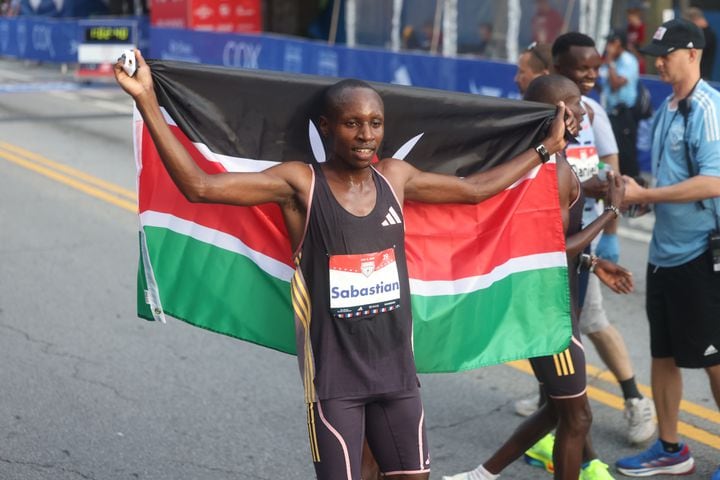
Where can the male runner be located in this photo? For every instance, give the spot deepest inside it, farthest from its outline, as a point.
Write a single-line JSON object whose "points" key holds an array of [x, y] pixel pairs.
{"points": [[563, 375], [358, 370], [575, 57]]}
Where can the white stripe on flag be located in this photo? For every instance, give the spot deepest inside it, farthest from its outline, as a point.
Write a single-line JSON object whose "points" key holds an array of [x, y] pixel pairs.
{"points": [[219, 239], [231, 164], [471, 284]]}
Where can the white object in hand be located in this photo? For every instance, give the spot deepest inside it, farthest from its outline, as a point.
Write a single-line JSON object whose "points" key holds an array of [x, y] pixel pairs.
{"points": [[129, 63]]}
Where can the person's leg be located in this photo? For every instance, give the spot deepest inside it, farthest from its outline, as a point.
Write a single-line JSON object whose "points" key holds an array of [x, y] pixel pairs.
{"points": [[611, 347], [525, 436], [613, 352], [574, 419], [395, 426], [369, 469], [714, 376], [667, 393], [336, 430]]}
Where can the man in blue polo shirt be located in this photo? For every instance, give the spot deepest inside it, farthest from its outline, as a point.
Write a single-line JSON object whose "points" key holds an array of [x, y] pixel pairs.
{"points": [[683, 278], [620, 74]]}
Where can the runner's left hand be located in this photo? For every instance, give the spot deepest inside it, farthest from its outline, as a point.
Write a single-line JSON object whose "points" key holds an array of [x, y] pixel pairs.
{"points": [[614, 276]]}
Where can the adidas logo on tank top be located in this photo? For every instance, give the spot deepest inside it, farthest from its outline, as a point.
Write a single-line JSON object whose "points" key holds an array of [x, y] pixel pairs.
{"points": [[392, 218]]}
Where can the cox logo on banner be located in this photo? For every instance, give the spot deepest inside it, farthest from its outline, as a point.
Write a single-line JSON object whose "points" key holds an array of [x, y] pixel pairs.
{"points": [[241, 54], [42, 39]]}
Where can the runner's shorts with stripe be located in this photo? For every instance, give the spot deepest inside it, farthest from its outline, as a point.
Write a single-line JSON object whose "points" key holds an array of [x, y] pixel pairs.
{"points": [[395, 429]]}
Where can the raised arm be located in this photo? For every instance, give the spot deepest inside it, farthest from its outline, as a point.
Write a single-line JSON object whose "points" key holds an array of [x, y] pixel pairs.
{"points": [[280, 184], [429, 187]]}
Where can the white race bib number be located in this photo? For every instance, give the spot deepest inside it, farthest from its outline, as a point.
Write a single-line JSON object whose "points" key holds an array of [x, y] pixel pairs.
{"points": [[364, 284]]}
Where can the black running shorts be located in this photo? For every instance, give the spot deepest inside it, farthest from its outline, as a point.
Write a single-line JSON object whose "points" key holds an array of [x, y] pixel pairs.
{"points": [[562, 375], [683, 308], [394, 424]]}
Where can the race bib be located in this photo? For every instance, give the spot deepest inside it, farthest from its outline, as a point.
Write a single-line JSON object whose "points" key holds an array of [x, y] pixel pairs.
{"points": [[364, 284], [583, 159]]}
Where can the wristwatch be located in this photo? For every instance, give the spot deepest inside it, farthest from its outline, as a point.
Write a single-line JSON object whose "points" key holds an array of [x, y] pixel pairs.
{"points": [[543, 152]]}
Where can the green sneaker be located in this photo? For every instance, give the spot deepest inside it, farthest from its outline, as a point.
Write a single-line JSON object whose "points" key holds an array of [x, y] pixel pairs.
{"points": [[540, 454], [595, 470]]}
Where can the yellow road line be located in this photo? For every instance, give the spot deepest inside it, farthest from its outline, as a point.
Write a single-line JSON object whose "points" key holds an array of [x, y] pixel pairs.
{"points": [[616, 402], [78, 185], [689, 407], [28, 155]]}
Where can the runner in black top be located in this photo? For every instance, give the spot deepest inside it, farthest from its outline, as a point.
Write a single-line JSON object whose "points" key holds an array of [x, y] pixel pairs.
{"points": [[338, 347], [563, 375]]}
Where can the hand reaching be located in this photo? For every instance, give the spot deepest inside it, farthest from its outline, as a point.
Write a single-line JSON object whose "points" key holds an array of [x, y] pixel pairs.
{"points": [[614, 276]]}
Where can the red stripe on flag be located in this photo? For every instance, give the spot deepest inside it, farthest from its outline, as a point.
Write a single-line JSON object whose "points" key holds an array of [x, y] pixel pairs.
{"points": [[443, 242], [261, 228], [449, 242]]}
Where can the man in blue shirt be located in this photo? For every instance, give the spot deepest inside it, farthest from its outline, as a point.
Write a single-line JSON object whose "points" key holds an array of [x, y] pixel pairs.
{"points": [[683, 279], [620, 74]]}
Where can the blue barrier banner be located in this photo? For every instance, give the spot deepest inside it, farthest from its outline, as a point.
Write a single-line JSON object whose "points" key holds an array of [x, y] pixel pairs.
{"points": [[48, 39], [283, 54], [39, 38], [267, 52]]}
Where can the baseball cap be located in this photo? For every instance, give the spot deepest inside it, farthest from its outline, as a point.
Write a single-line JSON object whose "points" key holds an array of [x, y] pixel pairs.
{"points": [[673, 35]]}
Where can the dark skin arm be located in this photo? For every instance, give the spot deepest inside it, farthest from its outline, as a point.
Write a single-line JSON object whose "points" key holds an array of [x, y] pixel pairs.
{"points": [[287, 184], [576, 243], [419, 186], [618, 279]]}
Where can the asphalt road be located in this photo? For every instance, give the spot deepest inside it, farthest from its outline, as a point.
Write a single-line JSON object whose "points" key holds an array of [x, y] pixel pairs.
{"points": [[88, 391]]}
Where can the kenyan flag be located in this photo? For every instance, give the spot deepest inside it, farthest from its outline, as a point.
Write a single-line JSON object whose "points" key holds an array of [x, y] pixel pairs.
{"points": [[489, 281]]}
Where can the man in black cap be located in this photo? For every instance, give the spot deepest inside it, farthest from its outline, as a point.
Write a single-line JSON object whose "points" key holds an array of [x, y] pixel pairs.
{"points": [[683, 275]]}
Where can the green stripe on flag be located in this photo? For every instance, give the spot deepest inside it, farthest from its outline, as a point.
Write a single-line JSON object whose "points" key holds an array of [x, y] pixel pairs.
{"points": [[220, 290], [227, 293], [494, 325]]}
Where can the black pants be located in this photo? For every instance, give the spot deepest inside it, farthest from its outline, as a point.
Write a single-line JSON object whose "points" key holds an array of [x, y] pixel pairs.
{"points": [[625, 127]]}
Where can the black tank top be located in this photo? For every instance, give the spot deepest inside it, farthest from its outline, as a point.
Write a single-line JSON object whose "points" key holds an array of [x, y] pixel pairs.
{"points": [[351, 297]]}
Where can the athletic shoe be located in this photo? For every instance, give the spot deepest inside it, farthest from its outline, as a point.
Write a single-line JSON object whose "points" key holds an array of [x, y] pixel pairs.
{"points": [[527, 406], [656, 461], [477, 474], [640, 413], [716, 475], [540, 454], [595, 470]]}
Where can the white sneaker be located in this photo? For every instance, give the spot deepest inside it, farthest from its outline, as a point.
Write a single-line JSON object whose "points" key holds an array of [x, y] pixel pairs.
{"points": [[477, 474], [459, 476], [640, 413], [527, 406]]}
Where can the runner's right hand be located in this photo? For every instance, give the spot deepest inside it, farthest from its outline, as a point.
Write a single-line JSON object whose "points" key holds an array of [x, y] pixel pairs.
{"points": [[555, 141], [138, 85]]}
